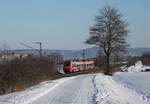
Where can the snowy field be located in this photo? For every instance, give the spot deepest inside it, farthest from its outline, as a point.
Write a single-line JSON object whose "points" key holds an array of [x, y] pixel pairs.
{"points": [[123, 88], [116, 90], [139, 81]]}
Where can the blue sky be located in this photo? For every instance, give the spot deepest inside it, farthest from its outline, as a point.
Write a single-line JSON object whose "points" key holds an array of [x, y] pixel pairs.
{"points": [[64, 24]]}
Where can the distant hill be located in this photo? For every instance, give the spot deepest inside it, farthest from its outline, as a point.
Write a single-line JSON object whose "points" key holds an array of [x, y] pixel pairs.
{"points": [[89, 52], [68, 54], [137, 51]]}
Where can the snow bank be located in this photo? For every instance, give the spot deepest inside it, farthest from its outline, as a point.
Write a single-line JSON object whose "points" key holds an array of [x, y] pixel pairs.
{"points": [[110, 92], [31, 94], [138, 82], [138, 67]]}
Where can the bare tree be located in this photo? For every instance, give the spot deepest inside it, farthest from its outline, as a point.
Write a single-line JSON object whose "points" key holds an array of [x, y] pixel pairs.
{"points": [[109, 33]]}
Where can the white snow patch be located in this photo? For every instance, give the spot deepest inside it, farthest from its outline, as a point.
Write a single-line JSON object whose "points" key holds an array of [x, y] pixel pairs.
{"points": [[138, 82], [138, 67], [31, 94], [110, 92]]}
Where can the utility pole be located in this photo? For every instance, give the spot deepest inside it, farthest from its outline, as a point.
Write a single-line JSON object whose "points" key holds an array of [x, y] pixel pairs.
{"points": [[40, 48], [84, 67], [83, 54]]}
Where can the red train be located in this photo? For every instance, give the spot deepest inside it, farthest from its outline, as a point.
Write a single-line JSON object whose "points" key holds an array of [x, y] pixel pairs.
{"points": [[74, 65]]}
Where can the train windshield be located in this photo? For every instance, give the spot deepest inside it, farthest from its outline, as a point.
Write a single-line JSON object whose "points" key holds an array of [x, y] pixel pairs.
{"points": [[66, 63]]}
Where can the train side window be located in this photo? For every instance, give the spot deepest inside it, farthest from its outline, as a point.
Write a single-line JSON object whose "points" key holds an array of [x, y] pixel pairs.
{"points": [[78, 65]]}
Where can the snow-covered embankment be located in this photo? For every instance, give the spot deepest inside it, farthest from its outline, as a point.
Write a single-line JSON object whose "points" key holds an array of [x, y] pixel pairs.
{"points": [[111, 92], [31, 94], [137, 67]]}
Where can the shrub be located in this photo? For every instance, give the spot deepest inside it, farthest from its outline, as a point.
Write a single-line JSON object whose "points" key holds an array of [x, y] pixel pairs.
{"points": [[20, 73], [145, 58]]}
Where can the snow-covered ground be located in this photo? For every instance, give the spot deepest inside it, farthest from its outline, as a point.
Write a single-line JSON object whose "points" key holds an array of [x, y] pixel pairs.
{"points": [[112, 92], [139, 82], [31, 94], [138, 67], [123, 88]]}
